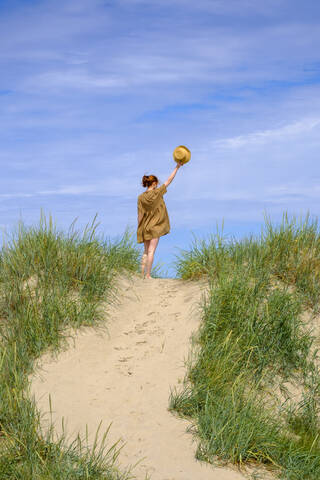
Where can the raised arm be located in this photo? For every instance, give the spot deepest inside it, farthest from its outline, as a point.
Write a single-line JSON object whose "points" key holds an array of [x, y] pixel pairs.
{"points": [[173, 174]]}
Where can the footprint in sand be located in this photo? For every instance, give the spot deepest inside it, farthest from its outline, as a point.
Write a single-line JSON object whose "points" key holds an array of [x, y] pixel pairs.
{"points": [[124, 359], [140, 331]]}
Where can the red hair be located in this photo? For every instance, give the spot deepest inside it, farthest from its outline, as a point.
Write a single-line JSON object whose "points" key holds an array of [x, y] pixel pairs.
{"points": [[147, 180]]}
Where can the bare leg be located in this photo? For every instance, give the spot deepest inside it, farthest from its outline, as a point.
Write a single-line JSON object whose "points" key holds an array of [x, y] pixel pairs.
{"points": [[151, 249], [144, 257]]}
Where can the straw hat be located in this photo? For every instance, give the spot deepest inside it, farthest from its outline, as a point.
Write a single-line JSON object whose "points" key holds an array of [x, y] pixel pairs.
{"points": [[181, 154]]}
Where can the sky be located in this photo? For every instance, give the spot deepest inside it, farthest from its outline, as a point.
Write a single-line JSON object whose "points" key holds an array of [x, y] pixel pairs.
{"points": [[95, 93]]}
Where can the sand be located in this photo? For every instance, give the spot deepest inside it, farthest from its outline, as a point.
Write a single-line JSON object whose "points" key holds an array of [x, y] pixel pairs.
{"points": [[124, 377]]}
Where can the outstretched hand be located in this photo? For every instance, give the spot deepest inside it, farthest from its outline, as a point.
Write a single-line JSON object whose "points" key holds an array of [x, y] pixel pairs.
{"points": [[179, 164]]}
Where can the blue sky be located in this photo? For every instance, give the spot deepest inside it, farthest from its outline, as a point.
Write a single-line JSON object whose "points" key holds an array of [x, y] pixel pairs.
{"points": [[96, 93]]}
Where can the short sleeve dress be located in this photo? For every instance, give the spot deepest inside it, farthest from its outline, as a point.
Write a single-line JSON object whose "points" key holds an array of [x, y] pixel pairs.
{"points": [[152, 211]]}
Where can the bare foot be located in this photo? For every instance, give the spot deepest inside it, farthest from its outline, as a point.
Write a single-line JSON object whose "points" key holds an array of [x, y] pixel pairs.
{"points": [[148, 277]]}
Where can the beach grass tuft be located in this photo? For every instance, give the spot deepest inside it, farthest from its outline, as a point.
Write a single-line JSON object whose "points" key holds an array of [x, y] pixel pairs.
{"points": [[51, 282], [252, 388]]}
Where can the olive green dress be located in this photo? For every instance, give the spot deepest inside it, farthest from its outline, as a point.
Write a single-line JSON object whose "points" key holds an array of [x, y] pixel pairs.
{"points": [[152, 211]]}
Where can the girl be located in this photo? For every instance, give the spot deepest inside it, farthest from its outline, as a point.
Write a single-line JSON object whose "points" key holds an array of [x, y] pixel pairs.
{"points": [[153, 220]]}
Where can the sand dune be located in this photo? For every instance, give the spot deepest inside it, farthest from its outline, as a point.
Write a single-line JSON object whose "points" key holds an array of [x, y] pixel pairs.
{"points": [[124, 377]]}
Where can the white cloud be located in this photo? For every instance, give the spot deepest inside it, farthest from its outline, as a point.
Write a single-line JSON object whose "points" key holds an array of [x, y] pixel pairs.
{"points": [[69, 190], [71, 79], [16, 195], [270, 135]]}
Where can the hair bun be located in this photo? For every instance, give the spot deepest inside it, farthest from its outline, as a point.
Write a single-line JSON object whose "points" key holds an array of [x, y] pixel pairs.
{"points": [[147, 180]]}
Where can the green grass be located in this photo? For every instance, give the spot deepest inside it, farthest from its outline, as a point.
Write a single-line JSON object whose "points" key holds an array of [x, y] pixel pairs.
{"points": [[51, 281], [253, 387]]}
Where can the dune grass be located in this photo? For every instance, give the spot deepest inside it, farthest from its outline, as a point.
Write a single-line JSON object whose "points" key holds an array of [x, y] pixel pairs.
{"points": [[253, 387], [51, 281]]}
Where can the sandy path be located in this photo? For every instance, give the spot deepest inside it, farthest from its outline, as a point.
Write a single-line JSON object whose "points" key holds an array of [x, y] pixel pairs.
{"points": [[125, 378]]}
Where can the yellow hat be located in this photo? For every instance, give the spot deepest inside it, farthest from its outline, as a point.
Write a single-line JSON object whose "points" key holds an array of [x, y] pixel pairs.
{"points": [[181, 154]]}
